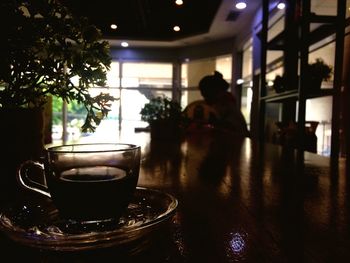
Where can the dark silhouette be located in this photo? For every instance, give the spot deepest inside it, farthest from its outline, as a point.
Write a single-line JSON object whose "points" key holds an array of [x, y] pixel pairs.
{"points": [[228, 116]]}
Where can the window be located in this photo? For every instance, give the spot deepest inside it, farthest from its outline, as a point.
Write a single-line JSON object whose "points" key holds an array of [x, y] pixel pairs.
{"points": [[139, 82], [193, 71], [246, 85]]}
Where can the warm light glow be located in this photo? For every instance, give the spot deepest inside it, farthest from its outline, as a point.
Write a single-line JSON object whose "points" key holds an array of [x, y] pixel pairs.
{"points": [[281, 5], [179, 2], [124, 44], [114, 26], [176, 28], [240, 4], [249, 99]]}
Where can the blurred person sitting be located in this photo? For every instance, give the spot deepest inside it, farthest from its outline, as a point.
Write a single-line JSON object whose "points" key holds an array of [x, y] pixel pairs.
{"points": [[218, 110]]}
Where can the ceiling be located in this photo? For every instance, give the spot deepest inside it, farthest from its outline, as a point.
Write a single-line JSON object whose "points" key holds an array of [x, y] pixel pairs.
{"points": [[151, 22]]}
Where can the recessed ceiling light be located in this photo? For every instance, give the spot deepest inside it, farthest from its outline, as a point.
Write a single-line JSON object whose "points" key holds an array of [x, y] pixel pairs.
{"points": [[239, 81], [281, 5], [124, 44], [176, 28], [241, 4], [114, 26], [179, 2]]}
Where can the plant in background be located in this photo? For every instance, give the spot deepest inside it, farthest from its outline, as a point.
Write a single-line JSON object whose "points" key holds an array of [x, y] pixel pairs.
{"points": [[165, 118], [319, 70], [48, 52], [279, 84], [161, 109], [316, 73]]}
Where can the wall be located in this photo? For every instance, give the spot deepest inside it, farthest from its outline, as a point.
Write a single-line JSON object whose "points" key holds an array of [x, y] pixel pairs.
{"points": [[144, 54], [179, 55], [209, 49]]}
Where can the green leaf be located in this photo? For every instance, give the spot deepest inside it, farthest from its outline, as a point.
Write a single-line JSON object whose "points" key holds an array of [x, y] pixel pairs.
{"points": [[46, 46]]}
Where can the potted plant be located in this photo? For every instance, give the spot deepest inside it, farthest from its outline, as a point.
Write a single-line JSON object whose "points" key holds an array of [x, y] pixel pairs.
{"points": [[279, 84], [318, 72], [46, 48], [164, 117], [47, 52]]}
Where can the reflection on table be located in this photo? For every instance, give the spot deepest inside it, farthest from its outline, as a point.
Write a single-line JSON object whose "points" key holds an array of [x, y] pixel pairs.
{"points": [[239, 201]]}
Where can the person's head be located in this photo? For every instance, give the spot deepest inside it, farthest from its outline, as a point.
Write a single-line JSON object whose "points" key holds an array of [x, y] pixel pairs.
{"points": [[212, 85]]}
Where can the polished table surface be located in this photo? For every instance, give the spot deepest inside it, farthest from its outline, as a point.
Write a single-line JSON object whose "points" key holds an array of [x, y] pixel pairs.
{"points": [[239, 201]]}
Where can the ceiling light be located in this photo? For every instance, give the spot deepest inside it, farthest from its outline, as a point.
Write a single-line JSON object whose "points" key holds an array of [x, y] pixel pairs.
{"points": [[281, 5], [239, 81], [114, 26], [176, 28], [179, 2], [124, 44], [241, 4]]}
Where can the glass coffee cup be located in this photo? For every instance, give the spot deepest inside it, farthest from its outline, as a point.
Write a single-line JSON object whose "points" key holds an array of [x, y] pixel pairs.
{"points": [[87, 182]]}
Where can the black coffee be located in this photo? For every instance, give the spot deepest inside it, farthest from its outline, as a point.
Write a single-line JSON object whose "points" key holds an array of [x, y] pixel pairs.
{"points": [[92, 193]]}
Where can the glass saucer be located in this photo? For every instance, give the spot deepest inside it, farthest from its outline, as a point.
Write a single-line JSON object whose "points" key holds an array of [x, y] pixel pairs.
{"points": [[40, 226]]}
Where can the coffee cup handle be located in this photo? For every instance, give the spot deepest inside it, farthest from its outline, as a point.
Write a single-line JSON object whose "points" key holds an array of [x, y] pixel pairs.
{"points": [[26, 182]]}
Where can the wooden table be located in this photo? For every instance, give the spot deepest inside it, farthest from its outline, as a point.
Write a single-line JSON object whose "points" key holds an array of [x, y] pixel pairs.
{"points": [[239, 201]]}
